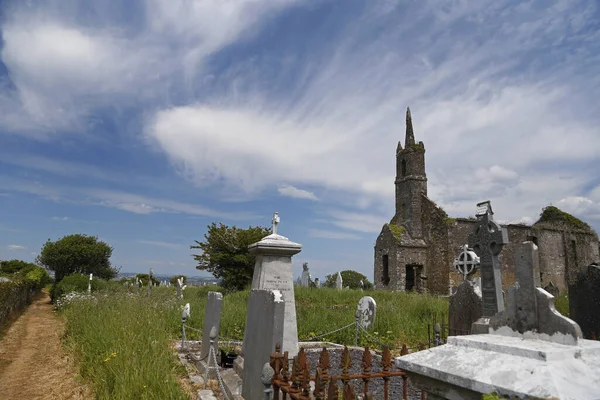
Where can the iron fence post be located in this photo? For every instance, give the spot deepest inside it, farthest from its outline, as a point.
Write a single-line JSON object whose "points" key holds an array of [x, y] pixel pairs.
{"points": [[357, 316]]}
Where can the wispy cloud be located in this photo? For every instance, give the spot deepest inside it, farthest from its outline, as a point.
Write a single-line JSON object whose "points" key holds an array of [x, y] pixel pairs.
{"points": [[161, 244], [291, 191], [134, 203], [16, 247], [60, 218], [327, 234]]}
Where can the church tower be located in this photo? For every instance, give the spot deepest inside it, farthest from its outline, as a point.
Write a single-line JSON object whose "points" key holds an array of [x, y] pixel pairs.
{"points": [[411, 182]]}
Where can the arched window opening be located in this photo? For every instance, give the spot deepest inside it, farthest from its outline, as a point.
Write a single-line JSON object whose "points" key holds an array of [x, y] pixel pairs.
{"points": [[403, 163]]}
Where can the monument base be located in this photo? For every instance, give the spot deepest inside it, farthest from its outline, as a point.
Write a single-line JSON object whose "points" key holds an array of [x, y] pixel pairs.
{"points": [[469, 366], [481, 326]]}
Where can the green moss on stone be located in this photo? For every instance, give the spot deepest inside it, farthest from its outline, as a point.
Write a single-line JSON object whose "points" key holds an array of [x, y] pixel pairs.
{"points": [[450, 221], [554, 215], [397, 231]]}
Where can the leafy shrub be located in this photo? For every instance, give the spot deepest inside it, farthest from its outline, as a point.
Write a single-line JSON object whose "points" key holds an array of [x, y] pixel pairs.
{"points": [[37, 277], [16, 266], [76, 283]]}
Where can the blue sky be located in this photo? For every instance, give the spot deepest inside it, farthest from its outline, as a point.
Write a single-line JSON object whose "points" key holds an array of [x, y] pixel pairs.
{"points": [[142, 121]]}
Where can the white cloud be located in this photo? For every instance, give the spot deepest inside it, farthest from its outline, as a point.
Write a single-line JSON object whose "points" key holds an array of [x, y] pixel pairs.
{"points": [[328, 234], [138, 204], [60, 218], [291, 191], [160, 244], [63, 67], [581, 207], [16, 247], [359, 222]]}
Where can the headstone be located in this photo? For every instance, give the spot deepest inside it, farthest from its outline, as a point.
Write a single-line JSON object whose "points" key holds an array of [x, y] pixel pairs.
{"points": [[532, 351], [362, 284], [464, 309], [584, 301], [317, 282], [531, 308], [180, 287], [487, 242], [212, 318], [264, 330], [305, 279], [366, 312], [338, 281], [273, 271], [90, 284]]}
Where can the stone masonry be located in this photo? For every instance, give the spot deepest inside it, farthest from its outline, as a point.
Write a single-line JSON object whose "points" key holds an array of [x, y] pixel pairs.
{"points": [[415, 250]]}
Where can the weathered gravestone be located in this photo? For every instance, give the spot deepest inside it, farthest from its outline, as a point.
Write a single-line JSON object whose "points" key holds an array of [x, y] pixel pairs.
{"points": [[273, 271], [531, 352], [465, 308], [339, 282], [365, 312], [531, 308], [552, 289], [305, 279], [584, 301], [487, 242], [264, 329], [465, 303], [212, 318]]}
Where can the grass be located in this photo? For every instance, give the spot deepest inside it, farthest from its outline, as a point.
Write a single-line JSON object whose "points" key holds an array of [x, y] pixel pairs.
{"points": [[123, 341], [401, 318]]}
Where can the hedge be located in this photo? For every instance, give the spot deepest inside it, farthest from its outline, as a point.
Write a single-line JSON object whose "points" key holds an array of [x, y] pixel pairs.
{"points": [[17, 293]]}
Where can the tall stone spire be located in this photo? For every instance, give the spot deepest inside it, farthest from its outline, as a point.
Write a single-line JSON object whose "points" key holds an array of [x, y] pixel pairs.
{"points": [[410, 136]]}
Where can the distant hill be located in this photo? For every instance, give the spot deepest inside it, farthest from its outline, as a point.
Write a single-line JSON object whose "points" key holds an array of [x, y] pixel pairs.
{"points": [[192, 280]]}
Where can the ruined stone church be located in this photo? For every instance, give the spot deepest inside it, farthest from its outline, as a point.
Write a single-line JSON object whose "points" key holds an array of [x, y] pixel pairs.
{"points": [[416, 249]]}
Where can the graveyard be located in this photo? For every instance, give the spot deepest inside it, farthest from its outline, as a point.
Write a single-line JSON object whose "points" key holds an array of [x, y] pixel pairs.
{"points": [[299, 200]]}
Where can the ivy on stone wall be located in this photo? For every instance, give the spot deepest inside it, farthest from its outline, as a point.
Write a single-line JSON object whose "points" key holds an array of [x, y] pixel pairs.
{"points": [[555, 216]]}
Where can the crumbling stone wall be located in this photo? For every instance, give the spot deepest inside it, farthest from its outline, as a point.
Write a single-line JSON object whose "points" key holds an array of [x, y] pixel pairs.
{"points": [[439, 258]]}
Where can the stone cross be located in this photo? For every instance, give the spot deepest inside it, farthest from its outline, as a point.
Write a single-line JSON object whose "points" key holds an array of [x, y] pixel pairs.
{"points": [[466, 263], [275, 222], [487, 241]]}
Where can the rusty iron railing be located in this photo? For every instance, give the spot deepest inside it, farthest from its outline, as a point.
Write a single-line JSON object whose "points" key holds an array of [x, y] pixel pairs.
{"points": [[296, 384]]}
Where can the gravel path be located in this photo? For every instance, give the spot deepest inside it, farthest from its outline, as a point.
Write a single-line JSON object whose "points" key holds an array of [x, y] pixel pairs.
{"points": [[395, 384]]}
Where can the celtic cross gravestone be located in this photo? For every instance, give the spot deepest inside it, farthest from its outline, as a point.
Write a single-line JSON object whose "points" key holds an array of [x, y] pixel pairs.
{"points": [[487, 242]]}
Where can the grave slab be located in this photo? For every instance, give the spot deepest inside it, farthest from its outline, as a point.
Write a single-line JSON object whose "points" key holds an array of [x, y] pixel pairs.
{"points": [[468, 366], [264, 330], [212, 318]]}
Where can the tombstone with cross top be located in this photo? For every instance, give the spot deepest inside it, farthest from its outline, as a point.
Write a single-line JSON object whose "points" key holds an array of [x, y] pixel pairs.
{"points": [[466, 263], [487, 242]]}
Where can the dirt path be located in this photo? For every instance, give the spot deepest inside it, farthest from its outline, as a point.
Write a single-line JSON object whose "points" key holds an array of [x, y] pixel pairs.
{"points": [[33, 364]]}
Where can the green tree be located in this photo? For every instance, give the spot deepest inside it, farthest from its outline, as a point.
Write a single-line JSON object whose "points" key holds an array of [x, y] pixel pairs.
{"points": [[349, 278], [225, 254], [77, 253], [14, 266]]}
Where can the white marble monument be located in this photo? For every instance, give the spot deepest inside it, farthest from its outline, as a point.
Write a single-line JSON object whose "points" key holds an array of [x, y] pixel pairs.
{"points": [[531, 351], [273, 271], [365, 312], [339, 283]]}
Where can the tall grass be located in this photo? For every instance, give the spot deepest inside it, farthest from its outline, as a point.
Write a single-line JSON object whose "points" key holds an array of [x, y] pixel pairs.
{"points": [[401, 318], [123, 341]]}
